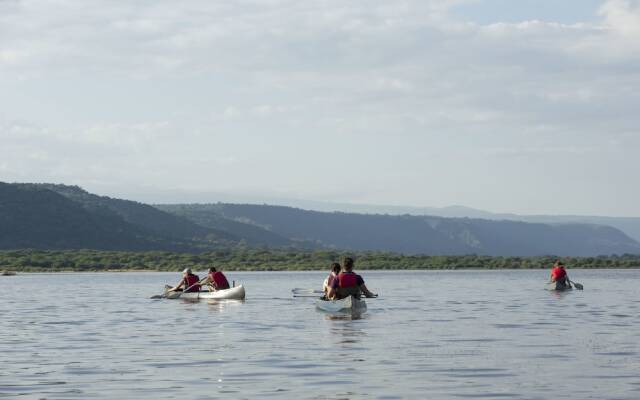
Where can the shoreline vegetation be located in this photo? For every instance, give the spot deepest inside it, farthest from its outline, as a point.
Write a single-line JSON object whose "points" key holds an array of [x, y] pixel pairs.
{"points": [[280, 260]]}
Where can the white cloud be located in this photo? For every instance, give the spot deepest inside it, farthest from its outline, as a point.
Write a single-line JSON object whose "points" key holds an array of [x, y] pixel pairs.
{"points": [[622, 17], [278, 94]]}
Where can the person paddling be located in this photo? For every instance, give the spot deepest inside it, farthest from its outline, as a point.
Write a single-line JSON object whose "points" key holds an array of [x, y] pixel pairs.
{"points": [[559, 274], [335, 270], [348, 283], [189, 282], [216, 280]]}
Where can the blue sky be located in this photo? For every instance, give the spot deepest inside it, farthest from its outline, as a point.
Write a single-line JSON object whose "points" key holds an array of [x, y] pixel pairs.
{"points": [[509, 106]]}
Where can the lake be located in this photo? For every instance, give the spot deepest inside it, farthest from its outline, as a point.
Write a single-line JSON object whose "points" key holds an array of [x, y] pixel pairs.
{"points": [[433, 334]]}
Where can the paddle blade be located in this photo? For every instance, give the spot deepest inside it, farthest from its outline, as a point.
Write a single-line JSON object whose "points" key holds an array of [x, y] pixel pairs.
{"points": [[305, 291], [578, 285]]}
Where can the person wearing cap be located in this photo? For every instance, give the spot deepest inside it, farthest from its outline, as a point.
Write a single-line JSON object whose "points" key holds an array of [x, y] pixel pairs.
{"points": [[189, 282], [216, 280], [559, 274]]}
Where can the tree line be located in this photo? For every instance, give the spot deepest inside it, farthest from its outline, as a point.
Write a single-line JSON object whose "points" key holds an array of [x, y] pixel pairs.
{"points": [[251, 259]]}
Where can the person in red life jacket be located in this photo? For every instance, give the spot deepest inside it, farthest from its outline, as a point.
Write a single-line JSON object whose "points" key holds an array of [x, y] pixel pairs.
{"points": [[559, 274], [348, 283], [189, 282], [216, 280], [335, 270]]}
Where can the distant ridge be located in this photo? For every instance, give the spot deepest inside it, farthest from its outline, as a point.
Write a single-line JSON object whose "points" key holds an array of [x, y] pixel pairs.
{"points": [[419, 234], [629, 225], [50, 216]]}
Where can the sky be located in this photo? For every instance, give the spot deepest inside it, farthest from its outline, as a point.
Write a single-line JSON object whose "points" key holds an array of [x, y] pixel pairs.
{"points": [[522, 106]]}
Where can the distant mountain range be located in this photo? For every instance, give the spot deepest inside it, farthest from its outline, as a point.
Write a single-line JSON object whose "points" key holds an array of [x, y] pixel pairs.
{"points": [[418, 234], [47, 216], [629, 225]]}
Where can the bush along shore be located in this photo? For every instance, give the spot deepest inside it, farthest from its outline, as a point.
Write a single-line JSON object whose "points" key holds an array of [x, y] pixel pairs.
{"points": [[279, 260]]}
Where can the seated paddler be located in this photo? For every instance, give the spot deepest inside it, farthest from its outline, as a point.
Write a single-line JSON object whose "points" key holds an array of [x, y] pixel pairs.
{"points": [[348, 283], [216, 280], [335, 270], [189, 282], [559, 274]]}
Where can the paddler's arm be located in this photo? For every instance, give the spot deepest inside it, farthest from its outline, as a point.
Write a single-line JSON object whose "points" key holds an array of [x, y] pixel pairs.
{"points": [[178, 286], [366, 291], [325, 286]]}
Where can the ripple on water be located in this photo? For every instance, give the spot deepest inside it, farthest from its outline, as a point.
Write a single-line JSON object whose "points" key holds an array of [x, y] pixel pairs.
{"points": [[617, 353], [474, 372], [435, 344], [488, 395], [509, 326]]}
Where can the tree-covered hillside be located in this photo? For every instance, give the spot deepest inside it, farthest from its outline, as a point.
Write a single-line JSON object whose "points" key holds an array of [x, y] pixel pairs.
{"points": [[66, 217], [419, 234], [46, 216], [37, 218]]}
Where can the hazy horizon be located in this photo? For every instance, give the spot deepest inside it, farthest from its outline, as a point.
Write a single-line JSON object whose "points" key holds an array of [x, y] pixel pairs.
{"points": [[521, 107], [168, 197]]}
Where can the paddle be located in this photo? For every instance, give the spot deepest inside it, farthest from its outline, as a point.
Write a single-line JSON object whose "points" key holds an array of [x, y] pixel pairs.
{"points": [[316, 297], [180, 293], [173, 295], [163, 295], [576, 284], [309, 291]]}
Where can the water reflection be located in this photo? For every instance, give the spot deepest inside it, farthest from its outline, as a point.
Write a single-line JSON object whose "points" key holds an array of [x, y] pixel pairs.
{"points": [[345, 316], [437, 335], [222, 305], [559, 294]]}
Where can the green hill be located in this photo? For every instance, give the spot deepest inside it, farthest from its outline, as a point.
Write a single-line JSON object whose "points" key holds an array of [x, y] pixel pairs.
{"points": [[66, 217], [47, 216], [421, 234]]}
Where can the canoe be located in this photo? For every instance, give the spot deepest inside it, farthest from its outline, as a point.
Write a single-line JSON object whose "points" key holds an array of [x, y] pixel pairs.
{"points": [[557, 286], [348, 304], [7, 273], [234, 293]]}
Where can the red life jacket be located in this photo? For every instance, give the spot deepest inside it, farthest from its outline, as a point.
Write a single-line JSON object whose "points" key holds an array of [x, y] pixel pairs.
{"points": [[219, 280], [558, 273], [191, 280], [346, 280]]}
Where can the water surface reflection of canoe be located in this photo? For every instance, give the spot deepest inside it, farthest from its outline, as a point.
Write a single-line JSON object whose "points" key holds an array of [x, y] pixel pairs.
{"points": [[348, 304], [557, 286]]}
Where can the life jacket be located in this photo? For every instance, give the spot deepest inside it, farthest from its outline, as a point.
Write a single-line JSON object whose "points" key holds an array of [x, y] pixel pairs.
{"points": [[348, 285], [346, 280], [219, 280], [558, 274], [191, 280]]}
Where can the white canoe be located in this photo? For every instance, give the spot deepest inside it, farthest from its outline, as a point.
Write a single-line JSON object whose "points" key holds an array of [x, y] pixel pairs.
{"points": [[348, 304], [234, 293], [557, 286]]}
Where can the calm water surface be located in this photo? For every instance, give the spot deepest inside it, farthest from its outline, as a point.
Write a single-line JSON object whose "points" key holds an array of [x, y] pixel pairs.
{"points": [[436, 335]]}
